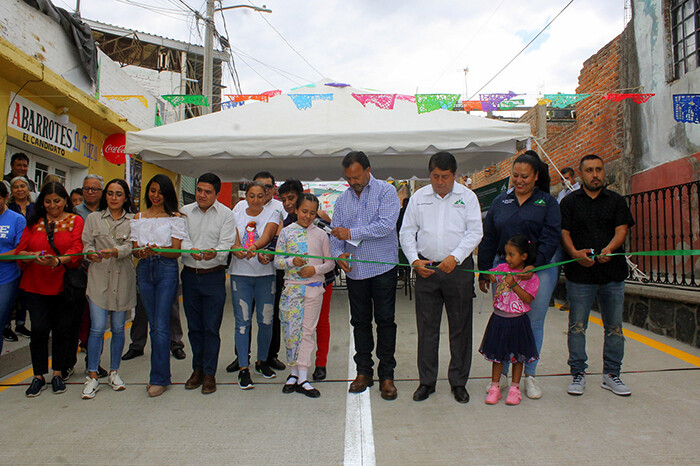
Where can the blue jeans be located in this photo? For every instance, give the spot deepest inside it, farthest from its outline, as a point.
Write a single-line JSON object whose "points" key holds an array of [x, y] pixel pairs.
{"points": [[538, 310], [98, 325], [157, 281], [245, 291], [204, 297], [611, 297], [8, 294]]}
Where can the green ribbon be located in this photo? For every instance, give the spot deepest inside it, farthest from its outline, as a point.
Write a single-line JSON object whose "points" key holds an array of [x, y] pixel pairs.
{"points": [[670, 252]]}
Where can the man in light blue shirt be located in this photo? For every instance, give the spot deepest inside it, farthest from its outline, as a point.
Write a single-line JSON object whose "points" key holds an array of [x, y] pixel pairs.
{"points": [[570, 185], [367, 213]]}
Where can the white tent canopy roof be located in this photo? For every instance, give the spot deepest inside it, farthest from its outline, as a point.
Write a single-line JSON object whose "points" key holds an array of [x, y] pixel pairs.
{"points": [[310, 143]]}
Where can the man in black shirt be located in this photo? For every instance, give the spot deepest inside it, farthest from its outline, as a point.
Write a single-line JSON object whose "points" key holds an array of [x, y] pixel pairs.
{"points": [[594, 222], [19, 166]]}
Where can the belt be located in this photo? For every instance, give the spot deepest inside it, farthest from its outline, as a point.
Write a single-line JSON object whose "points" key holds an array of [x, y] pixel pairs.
{"points": [[204, 271], [433, 263]]}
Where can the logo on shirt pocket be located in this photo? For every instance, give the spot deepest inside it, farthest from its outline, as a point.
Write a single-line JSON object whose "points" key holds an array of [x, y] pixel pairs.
{"points": [[540, 202]]}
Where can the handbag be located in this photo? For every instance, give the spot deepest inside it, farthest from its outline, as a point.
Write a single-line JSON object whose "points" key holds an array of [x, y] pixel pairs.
{"points": [[74, 280]]}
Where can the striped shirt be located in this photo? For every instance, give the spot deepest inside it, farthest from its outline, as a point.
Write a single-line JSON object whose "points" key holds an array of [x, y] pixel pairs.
{"points": [[370, 217]]}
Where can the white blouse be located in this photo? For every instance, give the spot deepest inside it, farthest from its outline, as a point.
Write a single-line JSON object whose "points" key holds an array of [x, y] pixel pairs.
{"points": [[158, 231]]}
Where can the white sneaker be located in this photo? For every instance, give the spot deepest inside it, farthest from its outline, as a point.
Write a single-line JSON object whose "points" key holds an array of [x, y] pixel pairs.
{"points": [[116, 382], [531, 389], [90, 389], [502, 384], [615, 385]]}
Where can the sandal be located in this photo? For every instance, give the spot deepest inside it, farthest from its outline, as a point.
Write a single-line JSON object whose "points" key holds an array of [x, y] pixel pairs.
{"points": [[290, 387]]}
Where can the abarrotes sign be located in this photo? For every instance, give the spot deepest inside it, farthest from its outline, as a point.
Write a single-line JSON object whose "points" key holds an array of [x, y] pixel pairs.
{"points": [[40, 127]]}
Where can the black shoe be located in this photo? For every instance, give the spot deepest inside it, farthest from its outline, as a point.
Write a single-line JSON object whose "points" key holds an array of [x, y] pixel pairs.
{"points": [[101, 372], [461, 394], [276, 364], [244, 380], [23, 331], [233, 367], [9, 335], [319, 373], [290, 387], [36, 387], [311, 393], [179, 353], [131, 354], [264, 369], [423, 392], [66, 373], [57, 384]]}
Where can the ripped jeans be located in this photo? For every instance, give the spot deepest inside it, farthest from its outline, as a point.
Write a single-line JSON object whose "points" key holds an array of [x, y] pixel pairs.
{"points": [[244, 292], [610, 301]]}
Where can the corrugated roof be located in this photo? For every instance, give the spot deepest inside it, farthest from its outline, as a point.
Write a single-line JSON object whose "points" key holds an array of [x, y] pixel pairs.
{"points": [[153, 39]]}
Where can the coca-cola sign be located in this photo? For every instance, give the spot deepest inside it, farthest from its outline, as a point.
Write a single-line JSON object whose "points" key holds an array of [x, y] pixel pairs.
{"points": [[113, 148]]}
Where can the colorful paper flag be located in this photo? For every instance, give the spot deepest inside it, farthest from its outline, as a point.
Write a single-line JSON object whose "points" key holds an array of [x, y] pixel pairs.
{"points": [[511, 103], [123, 98], [305, 85], [159, 120], [244, 97], [686, 108], [337, 84], [407, 98], [228, 104], [543, 101], [490, 102], [431, 102], [304, 101], [636, 98], [271, 93], [191, 99], [564, 100], [385, 101], [471, 105]]}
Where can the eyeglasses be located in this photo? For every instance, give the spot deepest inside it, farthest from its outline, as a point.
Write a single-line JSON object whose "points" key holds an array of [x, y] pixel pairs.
{"points": [[92, 190]]}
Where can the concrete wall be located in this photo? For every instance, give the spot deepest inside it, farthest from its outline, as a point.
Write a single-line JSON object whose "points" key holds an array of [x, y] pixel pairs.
{"points": [[663, 139]]}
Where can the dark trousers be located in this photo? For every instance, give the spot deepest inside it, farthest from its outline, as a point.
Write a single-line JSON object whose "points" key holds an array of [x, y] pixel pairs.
{"points": [[274, 351], [139, 327], [454, 291], [203, 297], [50, 315], [76, 302], [370, 298]]}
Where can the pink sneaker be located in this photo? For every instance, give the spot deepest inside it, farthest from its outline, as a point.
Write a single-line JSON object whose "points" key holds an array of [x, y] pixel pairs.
{"points": [[494, 395], [514, 396]]}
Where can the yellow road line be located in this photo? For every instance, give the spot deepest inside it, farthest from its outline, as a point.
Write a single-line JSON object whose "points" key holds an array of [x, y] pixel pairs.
{"points": [[25, 375], [664, 348]]}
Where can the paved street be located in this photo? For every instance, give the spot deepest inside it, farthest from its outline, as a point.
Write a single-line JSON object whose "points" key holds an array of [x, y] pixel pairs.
{"points": [[656, 425]]}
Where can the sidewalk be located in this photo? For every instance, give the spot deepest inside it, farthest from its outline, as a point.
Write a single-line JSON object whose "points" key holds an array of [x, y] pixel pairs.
{"points": [[656, 425]]}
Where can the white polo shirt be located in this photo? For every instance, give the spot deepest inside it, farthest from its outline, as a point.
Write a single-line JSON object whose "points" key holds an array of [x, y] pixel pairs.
{"points": [[213, 229], [436, 227]]}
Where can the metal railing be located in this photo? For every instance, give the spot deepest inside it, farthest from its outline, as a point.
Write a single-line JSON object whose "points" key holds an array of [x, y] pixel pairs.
{"points": [[667, 218]]}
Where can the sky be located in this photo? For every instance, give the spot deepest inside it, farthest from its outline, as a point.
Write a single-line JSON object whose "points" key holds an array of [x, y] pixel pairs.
{"points": [[393, 46]]}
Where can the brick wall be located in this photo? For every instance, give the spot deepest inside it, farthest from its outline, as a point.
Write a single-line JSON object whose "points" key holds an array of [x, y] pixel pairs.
{"points": [[597, 129]]}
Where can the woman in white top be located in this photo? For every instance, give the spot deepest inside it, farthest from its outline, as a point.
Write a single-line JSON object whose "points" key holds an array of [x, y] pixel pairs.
{"points": [[159, 226], [253, 282]]}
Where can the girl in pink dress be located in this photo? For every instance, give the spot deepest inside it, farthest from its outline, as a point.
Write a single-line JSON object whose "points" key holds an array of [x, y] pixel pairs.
{"points": [[508, 335]]}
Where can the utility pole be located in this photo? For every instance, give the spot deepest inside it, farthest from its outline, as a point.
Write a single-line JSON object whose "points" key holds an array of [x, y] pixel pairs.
{"points": [[77, 7], [208, 75], [466, 88]]}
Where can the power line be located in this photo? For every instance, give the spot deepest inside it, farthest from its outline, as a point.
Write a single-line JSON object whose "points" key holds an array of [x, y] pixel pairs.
{"points": [[521, 51], [469, 43], [290, 45], [279, 71]]}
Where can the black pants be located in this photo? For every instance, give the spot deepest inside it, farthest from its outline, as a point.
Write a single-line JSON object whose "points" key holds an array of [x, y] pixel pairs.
{"points": [[50, 315], [374, 298], [76, 303], [454, 291]]}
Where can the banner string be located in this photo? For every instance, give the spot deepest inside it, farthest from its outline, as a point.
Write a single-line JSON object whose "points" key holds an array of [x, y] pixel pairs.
{"points": [[661, 253]]}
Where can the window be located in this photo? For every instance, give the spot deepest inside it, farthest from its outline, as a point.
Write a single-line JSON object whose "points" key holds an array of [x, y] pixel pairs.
{"points": [[685, 36], [40, 173]]}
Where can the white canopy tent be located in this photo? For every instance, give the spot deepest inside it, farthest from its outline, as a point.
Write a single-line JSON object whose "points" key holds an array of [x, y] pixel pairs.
{"points": [[310, 143]]}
